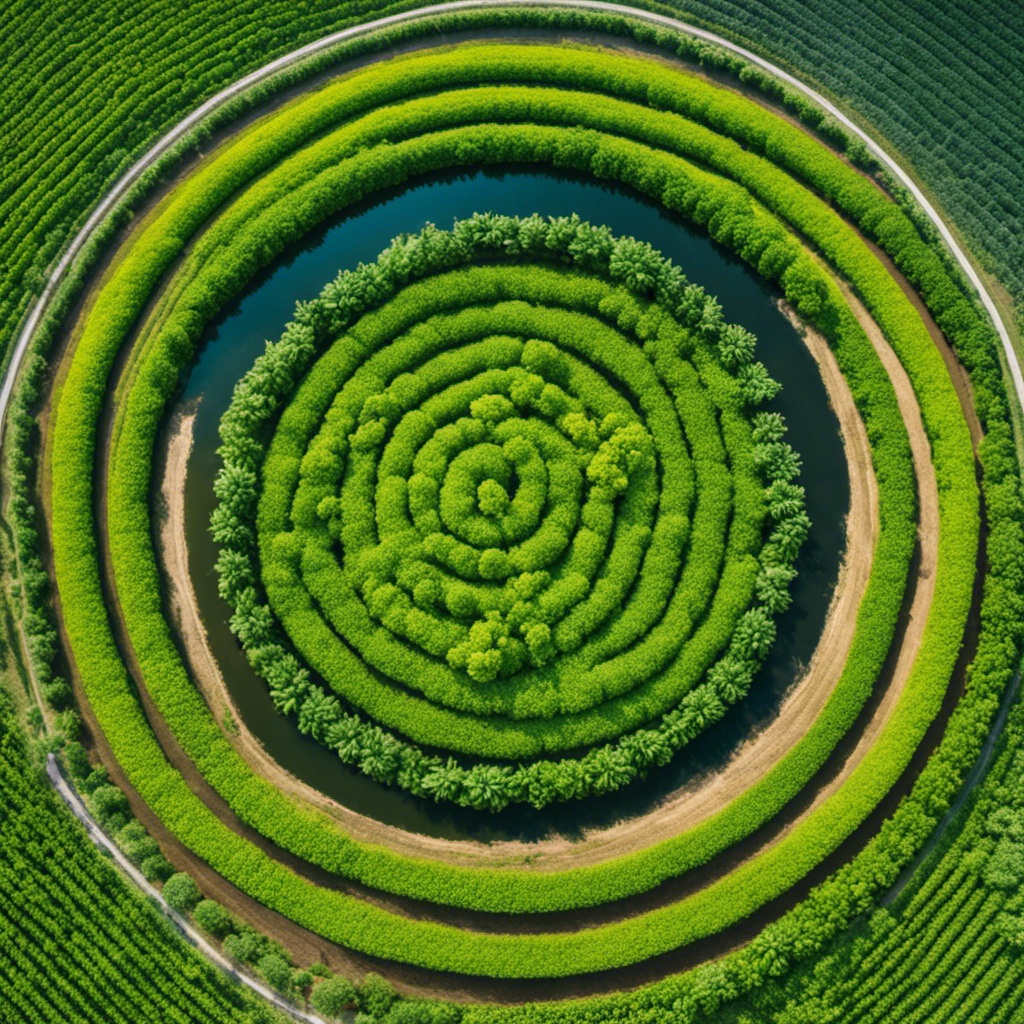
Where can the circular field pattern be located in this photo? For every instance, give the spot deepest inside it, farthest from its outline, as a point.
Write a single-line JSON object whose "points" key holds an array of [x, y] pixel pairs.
{"points": [[507, 516], [512, 509]]}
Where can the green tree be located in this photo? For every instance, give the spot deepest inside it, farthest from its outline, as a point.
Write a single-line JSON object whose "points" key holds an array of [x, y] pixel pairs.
{"points": [[58, 694], [333, 996], [77, 760], [136, 842], [277, 972], [213, 918], [376, 995], [96, 778], [110, 807], [156, 867], [182, 893], [736, 346]]}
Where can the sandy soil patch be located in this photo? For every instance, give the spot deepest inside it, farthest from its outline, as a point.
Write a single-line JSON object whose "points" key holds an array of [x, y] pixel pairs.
{"points": [[928, 546]]}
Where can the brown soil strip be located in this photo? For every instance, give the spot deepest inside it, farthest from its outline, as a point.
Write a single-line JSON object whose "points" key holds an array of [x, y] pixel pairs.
{"points": [[305, 946], [172, 536], [957, 371], [182, 599], [928, 543], [474, 989]]}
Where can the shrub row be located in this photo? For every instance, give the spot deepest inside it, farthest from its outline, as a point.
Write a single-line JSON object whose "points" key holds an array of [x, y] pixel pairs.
{"points": [[574, 524], [897, 602], [533, 280]]}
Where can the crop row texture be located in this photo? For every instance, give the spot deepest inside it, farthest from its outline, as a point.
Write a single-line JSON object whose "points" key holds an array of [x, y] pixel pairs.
{"points": [[449, 459], [948, 947], [999, 464], [101, 106], [120, 964], [513, 699]]}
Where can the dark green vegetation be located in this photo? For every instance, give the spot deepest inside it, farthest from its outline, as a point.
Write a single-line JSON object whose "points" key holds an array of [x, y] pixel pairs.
{"points": [[942, 86], [865, 51], [756, 238], [78, 944], [949, 948], [542, 416]]}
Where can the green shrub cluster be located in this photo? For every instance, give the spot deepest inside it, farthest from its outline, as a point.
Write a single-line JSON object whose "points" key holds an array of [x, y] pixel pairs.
{"points": [[677, 1001], [237, 485], [127, 722], [181, 892], [109, 806]]}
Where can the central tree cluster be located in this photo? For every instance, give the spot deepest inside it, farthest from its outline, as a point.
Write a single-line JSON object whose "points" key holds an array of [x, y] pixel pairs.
{"points": [[512, 505]]}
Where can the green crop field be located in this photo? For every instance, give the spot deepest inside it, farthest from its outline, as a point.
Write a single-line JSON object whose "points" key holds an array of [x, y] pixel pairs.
{"points": [[512, 514]]}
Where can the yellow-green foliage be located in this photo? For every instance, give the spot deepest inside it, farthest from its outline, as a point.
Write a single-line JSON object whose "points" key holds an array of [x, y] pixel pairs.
{"points": [[731, 217]]}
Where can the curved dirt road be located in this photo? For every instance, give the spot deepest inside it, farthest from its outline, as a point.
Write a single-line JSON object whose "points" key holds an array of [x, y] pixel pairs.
{"points": [[181, 923]]}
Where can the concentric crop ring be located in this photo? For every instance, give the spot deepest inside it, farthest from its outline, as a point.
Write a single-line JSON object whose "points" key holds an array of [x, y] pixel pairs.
{"points": [[740, 222], [669, 373]]}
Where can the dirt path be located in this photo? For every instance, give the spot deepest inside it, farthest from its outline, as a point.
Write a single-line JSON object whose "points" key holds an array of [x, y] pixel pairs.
{"points": [[182, 598], [687, 808], [957, 371], [928, 546]]}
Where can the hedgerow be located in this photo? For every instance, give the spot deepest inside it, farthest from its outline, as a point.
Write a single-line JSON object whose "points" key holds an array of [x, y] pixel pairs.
{"points": [[809, 295], [996, 667], [559, 537]]}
